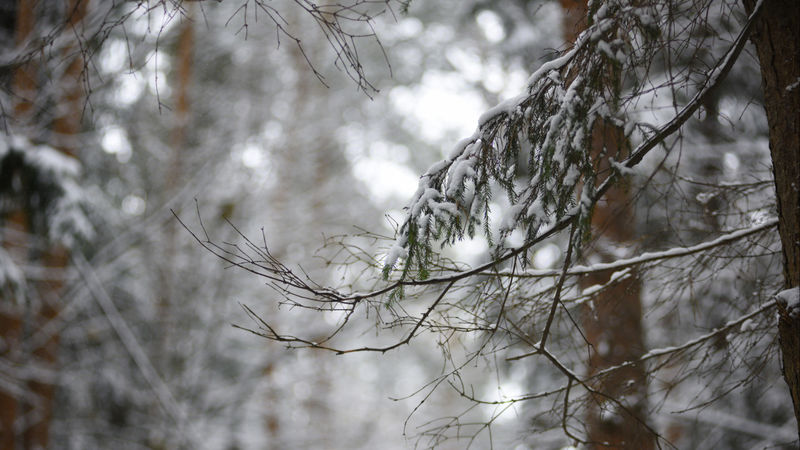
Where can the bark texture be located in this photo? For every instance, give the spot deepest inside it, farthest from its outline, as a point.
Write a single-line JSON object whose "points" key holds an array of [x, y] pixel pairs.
{"points": [[777, 40], [16, 242], [26, 409], [613, 325]]}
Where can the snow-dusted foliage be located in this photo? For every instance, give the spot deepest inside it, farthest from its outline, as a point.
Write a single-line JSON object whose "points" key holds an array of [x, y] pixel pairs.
{"points": [[45, 182], [256, 151], [12, 279], [545, 132], [656, 83], [151, 318], [790, 299]]}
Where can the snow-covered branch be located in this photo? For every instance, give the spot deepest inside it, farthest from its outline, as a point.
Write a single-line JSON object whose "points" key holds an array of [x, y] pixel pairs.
{"points": [[647, 257], [554, 120]]}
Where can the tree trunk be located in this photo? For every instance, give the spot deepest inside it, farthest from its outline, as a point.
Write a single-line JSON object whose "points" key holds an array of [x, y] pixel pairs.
{"points": [[26, 412], [183, 59], [613, 326], [14, 240], [777, 40]]}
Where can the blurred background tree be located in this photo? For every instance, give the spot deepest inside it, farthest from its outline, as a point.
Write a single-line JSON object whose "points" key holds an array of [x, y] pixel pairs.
{"points": [[277, 127]]}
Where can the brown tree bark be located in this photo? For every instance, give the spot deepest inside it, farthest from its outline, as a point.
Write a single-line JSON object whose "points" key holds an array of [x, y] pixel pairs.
{"points": [[15, 241], [174, 175], [613, 323], [66, 127], [613, 326], [25, 414], [777, 40]]}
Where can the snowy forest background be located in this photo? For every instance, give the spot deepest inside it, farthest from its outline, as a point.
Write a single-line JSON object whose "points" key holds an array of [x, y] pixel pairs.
{"points": [[137, 136]]}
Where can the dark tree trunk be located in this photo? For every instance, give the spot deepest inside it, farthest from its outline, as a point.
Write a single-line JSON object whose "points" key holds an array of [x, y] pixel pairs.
{"points": [[15, 241], [777, 40], [613, 326], [26, 412]]}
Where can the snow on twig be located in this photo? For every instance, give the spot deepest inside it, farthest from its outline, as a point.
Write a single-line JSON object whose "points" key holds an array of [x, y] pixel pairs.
{"points": [[647, 257]]}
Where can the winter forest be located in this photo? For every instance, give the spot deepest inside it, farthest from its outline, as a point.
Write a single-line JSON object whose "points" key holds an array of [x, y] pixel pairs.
{"points": [[399, 224]]}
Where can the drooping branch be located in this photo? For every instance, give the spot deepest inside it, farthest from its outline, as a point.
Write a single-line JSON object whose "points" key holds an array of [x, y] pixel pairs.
{"points": [[301, 291], [444, 205]]}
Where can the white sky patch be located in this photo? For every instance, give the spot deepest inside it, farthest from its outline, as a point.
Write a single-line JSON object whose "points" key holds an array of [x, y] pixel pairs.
{"points": [[731, 162], [386, 178], [467, 63], [515, 240], [253, 157], [437, 34], [394, 217], [157, 85], [334, 318], [514, 83], [490, 74], [115, 56], [407, 28], [546, 256], [491, 25], [134, 205], [156, 68], [273, 130], [512, 387], [392, 152], [115, 142], [440, 105], [130, 89], [470, 249], [494, 78]]}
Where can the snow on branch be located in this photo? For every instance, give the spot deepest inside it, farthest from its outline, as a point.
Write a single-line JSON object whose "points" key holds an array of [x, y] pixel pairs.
{"points": [[551, 124], [12, 278], [668, 351], [647, 257], [460, 184], [453, 194], [62, 203], [789, 299]]}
